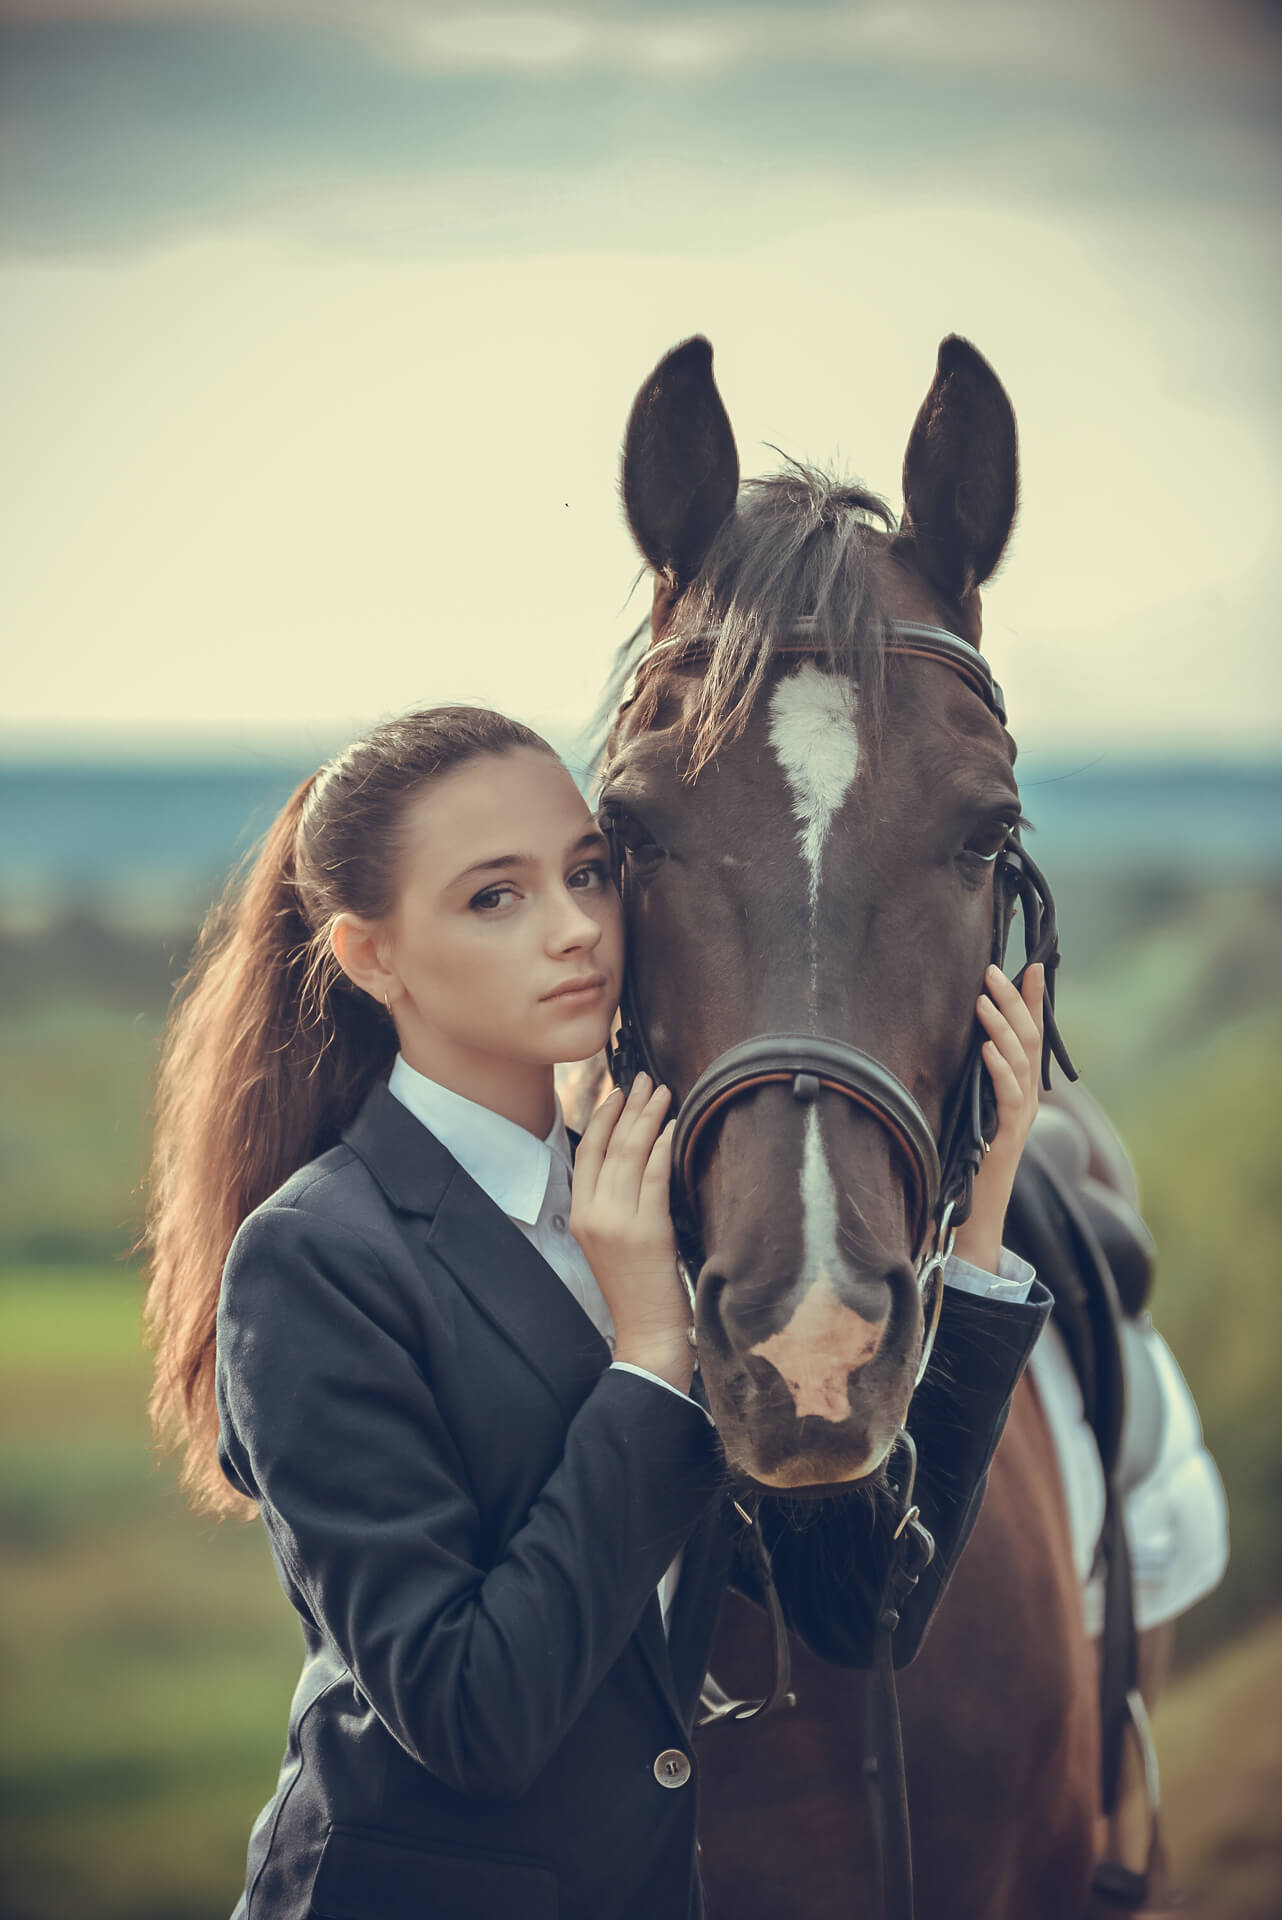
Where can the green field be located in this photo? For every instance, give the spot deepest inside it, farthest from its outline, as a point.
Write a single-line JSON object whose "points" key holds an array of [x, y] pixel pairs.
{"points": [[149, 1655], [149, 1658]]}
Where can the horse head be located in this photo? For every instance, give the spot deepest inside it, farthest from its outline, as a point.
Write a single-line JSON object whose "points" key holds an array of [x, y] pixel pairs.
{"points": [[809, 830]]}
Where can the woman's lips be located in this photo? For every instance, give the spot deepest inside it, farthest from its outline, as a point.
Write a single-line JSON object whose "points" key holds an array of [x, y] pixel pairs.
{"points": [[578, 990]]}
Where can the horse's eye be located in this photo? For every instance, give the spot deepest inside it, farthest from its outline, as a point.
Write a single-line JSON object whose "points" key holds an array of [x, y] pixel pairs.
{"points": [[987, 841], [626, 831]]}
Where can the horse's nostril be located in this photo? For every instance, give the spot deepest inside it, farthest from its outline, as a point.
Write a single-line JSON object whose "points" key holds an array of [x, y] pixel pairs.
{"points": [[871, 1292], [741, 1315], [898, 1281], [709, 1303]]}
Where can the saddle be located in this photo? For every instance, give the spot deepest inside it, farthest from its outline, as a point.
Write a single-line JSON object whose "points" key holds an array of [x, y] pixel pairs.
{"points": [[1074, 1216]]}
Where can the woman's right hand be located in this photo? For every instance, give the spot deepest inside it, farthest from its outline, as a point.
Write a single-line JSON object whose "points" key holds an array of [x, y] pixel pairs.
{"points": [[620, 1217]]}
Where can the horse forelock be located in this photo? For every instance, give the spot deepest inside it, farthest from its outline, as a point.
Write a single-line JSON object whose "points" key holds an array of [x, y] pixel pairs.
{"points": [[798, 543]]}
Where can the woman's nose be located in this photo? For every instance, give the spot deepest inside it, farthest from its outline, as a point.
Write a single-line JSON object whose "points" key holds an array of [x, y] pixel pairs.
{"points": [[575, 927]]}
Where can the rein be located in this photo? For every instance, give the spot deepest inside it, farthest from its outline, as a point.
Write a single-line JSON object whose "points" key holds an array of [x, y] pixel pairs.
{"points": [[941, 1174]]}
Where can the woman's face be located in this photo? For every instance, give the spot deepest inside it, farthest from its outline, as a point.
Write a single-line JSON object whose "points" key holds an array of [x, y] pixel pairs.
{"points": [[506, 943]]}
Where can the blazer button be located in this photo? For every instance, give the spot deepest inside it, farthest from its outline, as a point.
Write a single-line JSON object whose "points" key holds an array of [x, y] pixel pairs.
{"points": [[672, 1769]]}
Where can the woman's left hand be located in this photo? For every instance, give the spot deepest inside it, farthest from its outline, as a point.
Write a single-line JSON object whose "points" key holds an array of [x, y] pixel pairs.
{"points": [[1012, 1018]]}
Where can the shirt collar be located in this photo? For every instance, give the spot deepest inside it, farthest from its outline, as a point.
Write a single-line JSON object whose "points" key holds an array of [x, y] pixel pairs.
{"points": [[506, 1161]]}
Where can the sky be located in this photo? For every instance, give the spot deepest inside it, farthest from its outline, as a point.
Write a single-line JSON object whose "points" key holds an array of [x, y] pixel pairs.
{"points": [[320, 324]]}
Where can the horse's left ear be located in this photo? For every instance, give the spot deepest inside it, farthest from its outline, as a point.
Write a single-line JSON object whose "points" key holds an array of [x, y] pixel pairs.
{"points": [[680, 464], [961, 472]]}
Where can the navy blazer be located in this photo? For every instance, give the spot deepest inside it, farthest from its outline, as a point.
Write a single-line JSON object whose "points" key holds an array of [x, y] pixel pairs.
{"points": [[470, 1511]]}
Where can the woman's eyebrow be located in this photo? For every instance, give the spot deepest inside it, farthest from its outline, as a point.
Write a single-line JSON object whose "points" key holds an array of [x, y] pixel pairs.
{"points": [[503, 862], [498, 864]]}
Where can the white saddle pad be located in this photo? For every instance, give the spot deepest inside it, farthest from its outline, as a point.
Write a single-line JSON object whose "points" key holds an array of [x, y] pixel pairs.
{"points": [[1176, 1515]]}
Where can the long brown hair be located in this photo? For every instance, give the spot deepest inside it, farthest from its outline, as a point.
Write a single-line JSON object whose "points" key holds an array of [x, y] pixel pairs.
{"points": [[270, 1049]]}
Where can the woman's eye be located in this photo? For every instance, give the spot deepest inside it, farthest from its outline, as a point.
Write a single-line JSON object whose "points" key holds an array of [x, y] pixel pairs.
{"points": [[489, 898], [590, 878]]}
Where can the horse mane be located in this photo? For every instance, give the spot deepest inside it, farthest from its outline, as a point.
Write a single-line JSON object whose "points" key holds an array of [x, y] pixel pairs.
{"points": [[797, 543]]}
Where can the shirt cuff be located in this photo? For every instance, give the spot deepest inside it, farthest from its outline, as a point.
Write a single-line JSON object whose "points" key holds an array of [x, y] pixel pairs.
{"points": [[1013, 1280], [643, 1373]]}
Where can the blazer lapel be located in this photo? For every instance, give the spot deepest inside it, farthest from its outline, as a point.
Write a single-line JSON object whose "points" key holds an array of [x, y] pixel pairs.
{"points": [[502, 1274], [510, 1282]]}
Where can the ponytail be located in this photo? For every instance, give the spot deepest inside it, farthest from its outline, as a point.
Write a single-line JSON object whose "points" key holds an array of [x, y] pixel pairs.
{"points": [[270, 1051]]}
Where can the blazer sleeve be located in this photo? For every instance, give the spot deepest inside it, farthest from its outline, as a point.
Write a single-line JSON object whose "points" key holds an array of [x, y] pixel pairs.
{"points": [[478, 1667], [829, 1562]]}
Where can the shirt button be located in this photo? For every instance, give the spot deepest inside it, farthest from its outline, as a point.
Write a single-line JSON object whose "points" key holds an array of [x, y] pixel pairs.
{"points": [[558, 1221], [672, 1769]]}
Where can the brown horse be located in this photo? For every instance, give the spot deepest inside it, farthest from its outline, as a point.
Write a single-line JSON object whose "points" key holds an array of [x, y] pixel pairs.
{"points": [[811, 844]]}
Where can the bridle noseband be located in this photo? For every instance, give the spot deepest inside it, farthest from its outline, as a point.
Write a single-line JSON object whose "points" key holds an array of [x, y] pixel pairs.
{"points": [[941, 1172]]}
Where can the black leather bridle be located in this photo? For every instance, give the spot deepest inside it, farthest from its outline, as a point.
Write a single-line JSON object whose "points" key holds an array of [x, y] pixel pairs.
{"points": [[941, 1171]]}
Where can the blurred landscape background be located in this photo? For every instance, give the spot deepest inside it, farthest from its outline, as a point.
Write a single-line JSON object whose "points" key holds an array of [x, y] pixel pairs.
{"points": [[319, 326], [149, 1654]]}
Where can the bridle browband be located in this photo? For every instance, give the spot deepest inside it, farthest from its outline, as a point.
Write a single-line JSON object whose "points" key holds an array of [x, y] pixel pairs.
{"points": [[941, 1172]]}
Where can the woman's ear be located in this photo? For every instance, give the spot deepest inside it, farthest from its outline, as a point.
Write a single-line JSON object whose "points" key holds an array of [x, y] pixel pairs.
{"points": [[356, 945]]}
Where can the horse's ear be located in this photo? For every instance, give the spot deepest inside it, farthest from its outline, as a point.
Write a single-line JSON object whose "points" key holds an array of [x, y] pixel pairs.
{"points": [[680, 465], [961, 472]]}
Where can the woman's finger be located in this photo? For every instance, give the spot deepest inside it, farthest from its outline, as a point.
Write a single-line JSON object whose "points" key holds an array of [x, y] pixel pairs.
{"points": [[630, 1145], [658, 1168], [594, 1141], [1033, 991], [1016, 1008], [1003, 1036], [635, 1105], [638, 1119], [1007, 1085]]}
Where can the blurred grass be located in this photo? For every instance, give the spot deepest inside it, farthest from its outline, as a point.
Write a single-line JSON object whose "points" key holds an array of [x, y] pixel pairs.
{"points": [[149, 1655], [72, 1133], [1176, 1024], [1219, 1737]]}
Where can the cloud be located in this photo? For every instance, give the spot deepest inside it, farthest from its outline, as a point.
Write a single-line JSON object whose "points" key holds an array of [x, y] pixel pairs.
{"points": [[255, 483], [131, 125], [307, 306]]}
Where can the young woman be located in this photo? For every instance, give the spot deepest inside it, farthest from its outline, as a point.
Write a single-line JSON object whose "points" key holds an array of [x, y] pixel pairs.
{"points": [[460, 1400]]}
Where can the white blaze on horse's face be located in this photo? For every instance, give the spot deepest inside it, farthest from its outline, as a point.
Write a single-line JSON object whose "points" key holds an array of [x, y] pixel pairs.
{"points": [[813, 733], [825, 1340], [812, 730]]}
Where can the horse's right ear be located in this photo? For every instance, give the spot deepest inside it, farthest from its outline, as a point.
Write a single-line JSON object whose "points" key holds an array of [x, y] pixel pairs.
{"points": [[680, 464], [960, 475]]}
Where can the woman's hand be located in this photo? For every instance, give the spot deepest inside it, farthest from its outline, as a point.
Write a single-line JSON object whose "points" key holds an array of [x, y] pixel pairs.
{"points": [[619, 1216], [1012, 1019]]}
